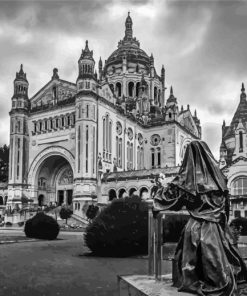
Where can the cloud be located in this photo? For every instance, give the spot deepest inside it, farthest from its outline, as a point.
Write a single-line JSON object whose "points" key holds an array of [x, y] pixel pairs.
{"points": [[201, 43]]}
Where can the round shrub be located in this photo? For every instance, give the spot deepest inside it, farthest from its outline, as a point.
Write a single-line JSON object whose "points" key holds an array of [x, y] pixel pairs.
{"points": [[120, 229], [8, 224], [41, 226], [65, 213], [21, 223]]}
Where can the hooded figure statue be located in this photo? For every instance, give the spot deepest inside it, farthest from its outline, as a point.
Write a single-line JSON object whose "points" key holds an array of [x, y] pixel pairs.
{"points": [[207, 261]]}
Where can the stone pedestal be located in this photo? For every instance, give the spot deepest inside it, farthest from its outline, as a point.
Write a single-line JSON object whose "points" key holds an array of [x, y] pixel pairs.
{"points": [[144, 285]]}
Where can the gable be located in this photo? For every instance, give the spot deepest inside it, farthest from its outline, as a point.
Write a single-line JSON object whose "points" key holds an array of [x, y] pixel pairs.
{"points": [[186, 120], [54, 89]]}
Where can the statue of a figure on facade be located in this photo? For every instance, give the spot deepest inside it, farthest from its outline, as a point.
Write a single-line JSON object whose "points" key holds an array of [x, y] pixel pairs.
{"points": [[206, 259]]}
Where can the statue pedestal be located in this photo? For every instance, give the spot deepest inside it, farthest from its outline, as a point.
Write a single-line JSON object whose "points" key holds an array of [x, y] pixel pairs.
{"points": [[145, 285]]}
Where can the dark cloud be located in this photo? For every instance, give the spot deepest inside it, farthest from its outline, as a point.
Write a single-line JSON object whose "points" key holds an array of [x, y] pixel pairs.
{"points": [[201, 43]]}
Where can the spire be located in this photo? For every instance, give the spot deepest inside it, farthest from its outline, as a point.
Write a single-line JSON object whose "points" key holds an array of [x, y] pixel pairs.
{"points": [[195, 114], [100, 63], [87, 53], [243, 94], [21, 75], [86, 46], [171, 91], [128, 28], [21, 70], [171, 98]]}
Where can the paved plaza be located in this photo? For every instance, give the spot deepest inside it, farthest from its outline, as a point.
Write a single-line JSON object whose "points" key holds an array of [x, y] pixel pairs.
{"points": [[44, 268]]}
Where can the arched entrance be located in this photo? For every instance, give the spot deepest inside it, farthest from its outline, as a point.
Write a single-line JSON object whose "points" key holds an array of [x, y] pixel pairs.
{"points": [[54, 181], [41, 200]]}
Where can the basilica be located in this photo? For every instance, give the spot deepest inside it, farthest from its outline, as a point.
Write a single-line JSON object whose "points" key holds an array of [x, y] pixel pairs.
{"points": [[97, 138]]}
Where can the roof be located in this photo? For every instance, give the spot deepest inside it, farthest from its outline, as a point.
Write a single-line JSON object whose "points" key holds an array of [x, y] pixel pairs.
{"points": [[140, 174]]}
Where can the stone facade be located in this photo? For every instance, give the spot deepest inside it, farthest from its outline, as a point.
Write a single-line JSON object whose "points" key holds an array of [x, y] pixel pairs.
{"points": [[66, 137], [233, 157]]}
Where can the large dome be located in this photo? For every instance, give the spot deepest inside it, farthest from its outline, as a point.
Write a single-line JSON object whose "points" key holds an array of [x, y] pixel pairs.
{"points": [[128, 48]]}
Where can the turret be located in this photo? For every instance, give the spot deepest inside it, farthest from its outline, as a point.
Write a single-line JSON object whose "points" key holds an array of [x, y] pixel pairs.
{"points": [[19, 139], [20, 96], [86, 63], [100, 69], [163, 86]]}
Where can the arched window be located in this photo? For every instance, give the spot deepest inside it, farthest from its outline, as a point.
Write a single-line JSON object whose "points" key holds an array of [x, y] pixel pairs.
{"points": [[131, 89], [121, 193], [155, 96], [132, 191], [239, 186], [112, 194], [118, 89], [144, 193], [152, 158], [158, 157], [137, 88], [54, 92], [159, 97], [1, 200], [107, 138], [240, 141]]}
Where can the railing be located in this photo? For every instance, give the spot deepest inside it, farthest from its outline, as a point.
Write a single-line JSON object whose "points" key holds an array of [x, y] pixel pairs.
{"points": [[156, 241]]}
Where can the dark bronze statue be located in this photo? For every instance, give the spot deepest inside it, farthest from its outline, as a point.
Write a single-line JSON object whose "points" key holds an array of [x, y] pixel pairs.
{"points": [[207, 261]]}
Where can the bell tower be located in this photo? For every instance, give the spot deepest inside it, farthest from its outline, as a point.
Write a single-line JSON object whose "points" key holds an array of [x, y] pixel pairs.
{"points": [[19, 140], [86, 128]]}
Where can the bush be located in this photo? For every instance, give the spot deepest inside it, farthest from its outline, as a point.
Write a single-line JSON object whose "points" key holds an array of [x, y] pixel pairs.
{"points": [[41, 226], [121, 229], [92, 211], [240, 224], [65, 213], [21, 223], [8, 224]]}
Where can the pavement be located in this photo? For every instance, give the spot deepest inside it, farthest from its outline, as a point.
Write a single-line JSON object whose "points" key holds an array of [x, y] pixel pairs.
{"points": [[60, 267]]}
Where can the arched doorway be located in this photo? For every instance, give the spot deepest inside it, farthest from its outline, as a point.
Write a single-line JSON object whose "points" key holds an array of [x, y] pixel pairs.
{"points": [[1, 200], [41, 200], [54, 181], [112, 194]]}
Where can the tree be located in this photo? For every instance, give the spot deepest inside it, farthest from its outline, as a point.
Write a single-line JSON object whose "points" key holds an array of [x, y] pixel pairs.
{"points": [[4, 163], [65, 213]]}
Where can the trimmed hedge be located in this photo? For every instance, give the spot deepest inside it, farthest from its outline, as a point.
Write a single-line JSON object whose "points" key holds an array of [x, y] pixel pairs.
{"points": [[41, 226], [121, 229]]}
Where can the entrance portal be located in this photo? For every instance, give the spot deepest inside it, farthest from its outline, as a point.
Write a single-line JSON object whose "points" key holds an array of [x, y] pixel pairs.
{"points": [[54, 181]]}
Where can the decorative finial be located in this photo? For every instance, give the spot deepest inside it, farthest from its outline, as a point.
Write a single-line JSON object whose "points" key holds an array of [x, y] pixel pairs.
{"points": [[128, 13], [243, 94], [55, 74], [195, 115], [242, 89], [182, 108], [171, 91], [188, 107], [86, 46], [21, 70]]}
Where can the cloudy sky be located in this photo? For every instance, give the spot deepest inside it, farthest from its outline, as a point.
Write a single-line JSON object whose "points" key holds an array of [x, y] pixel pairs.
{"points": [[202, 44]]}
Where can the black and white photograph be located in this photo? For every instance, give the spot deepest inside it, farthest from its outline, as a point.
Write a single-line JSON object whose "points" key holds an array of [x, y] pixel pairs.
{"points": [[123, 147]]}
